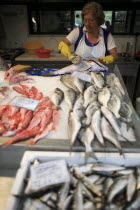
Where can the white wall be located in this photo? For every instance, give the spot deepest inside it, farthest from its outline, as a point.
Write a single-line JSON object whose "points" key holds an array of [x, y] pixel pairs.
{"points": [[16, 29]]}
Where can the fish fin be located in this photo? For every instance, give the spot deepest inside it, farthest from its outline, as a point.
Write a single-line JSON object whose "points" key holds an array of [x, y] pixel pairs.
{"points": [[90, 154], [32, 143], [58, 108]]}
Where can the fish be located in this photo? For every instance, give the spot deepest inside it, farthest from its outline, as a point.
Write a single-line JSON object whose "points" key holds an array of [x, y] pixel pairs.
{"points": [[21, 91], [24, 123], [110, 79], [62, 194], [110, 134], [118, 185], [57, 97], [74, 126], [118, 85], [79, 84], [78, 198], [90, 95], [125, 111], [35, 120], [127, 133], [104, 96], [131, 187], [135, 203], [111, 118], [114, 90], [70, 97], [87, 183], [98, 79], [90, 110], [68, 81], [22, 136], [96, 125], [42, 134], [107, 184], [2, 129], [114, 105], [78, 108], [87, 140]]}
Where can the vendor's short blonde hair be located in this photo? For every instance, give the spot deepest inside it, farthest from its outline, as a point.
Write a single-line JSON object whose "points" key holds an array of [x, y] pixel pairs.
{"points": [[96, 10]]}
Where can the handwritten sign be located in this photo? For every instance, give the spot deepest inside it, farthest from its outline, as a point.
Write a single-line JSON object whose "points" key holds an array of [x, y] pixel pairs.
{"points": [[47, 174], [27, 103]]}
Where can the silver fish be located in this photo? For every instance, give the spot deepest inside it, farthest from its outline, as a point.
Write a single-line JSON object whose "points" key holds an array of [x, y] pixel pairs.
{"points": [[98, 79], [109, 134], [74, 126], [104, 96], [62, 194], [109, 115], [116, 187], [79, 84], [68, 81], [135, 204], [127, 133], [78, 108], [126, 111], [87, 182], [91, 108], [110, 79], [57, 97], [87, 139], [114, 90], [90, 95], [78, 198], [70, 97], [87, 193], [118, 85], [131, 187], [114, 105], [107, 184], [96, 125]]}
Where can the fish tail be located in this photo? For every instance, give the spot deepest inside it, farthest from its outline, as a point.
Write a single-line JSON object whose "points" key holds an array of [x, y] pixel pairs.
{"points": [[7, 143], [90, 154]]}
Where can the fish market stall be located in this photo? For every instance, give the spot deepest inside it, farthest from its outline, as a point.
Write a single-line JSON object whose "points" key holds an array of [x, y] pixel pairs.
{"points": [[110, 182], [58, 139]]}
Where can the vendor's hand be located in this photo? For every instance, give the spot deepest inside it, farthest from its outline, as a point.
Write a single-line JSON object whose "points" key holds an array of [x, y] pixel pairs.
{"points": [[64, 49], [108, 59]]}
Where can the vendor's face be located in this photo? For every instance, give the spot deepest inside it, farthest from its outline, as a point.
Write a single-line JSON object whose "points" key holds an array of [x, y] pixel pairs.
{"points": [[90, 23]]}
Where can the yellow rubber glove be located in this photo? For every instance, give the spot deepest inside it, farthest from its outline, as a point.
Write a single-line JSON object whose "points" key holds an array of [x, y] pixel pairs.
{"points": [[64, 49], [107, 59]]}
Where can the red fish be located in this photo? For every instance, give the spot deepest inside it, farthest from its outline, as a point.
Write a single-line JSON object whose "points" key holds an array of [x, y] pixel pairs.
{"points": [[42, 134], [22, 136], [25, 121]]}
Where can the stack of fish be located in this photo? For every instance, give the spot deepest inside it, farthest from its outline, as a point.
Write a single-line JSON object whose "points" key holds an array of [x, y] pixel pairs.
{"points": [[97, 109], [22, 123], [92, 186]]}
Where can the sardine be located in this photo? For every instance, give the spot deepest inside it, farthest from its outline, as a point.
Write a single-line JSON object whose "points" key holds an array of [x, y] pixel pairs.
{"points": [[109, 134], [107, 184], [96, 125], [116, 187], [62, 194], [114, 105], [78, 198], [135, 204], [109, 115], [104, 96], [131, 187]]}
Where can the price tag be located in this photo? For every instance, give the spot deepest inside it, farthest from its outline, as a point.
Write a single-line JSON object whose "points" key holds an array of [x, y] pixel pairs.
{"points": [[27, 103], [48, 174]]}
